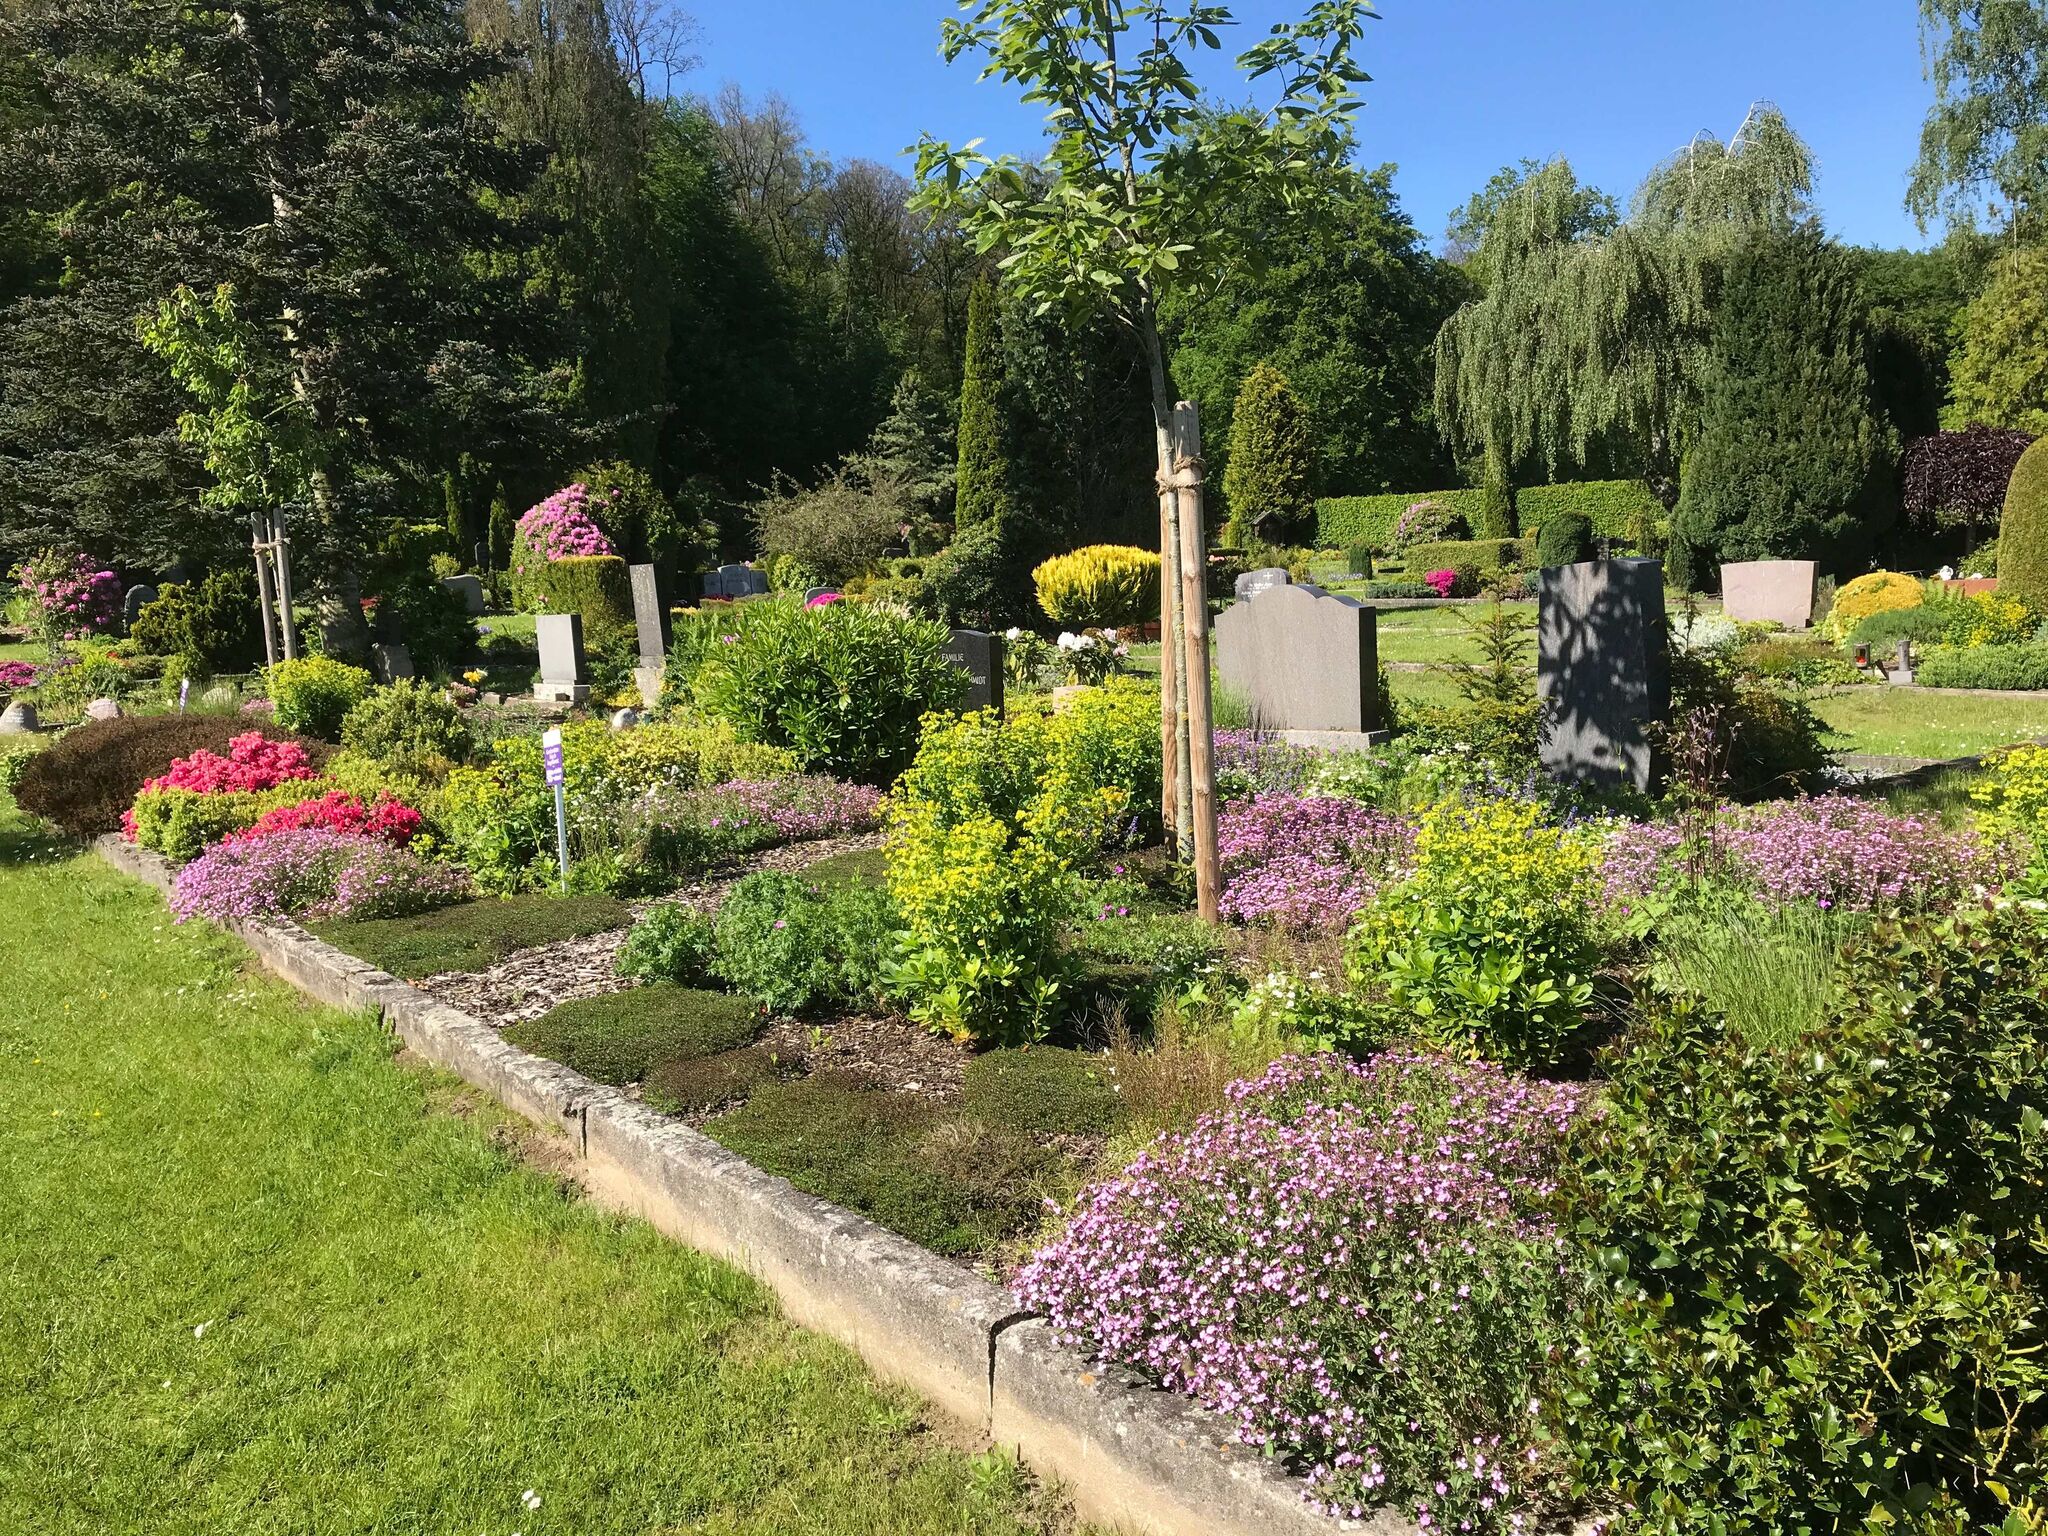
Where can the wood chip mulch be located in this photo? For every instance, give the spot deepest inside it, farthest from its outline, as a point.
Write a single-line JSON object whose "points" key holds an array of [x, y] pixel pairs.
{"points": [[533, 981]]}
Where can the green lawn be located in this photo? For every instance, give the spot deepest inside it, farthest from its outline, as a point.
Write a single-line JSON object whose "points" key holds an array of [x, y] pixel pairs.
{"points": [[25, 651], [1908, 722], [255, 1277]]}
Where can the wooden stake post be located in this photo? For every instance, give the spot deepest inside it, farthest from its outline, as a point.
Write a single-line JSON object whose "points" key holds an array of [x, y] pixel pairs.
{"points": [[1198, 782]]}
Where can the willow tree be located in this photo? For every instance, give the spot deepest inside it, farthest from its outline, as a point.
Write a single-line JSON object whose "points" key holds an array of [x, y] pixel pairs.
{"points": [[1599, 336], [1141, 191], [1984, 145]]}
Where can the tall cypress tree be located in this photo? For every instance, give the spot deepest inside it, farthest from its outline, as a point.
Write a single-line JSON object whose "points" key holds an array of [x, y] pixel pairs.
{"points": [[1794, 458], [327, 159], [983, 489], [1272, 460]]}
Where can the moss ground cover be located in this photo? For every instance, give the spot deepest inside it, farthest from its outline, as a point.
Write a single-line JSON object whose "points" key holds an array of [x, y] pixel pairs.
{"points": [[476, 935], [252, 1281]]}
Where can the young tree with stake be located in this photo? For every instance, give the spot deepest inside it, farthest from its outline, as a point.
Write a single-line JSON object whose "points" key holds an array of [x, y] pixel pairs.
{"points": [[1143, 189]]}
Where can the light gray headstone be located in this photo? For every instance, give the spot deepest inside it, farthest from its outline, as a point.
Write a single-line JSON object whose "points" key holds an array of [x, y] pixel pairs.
{"points": [[470, 589], [391, 661], [221, 696], [19, 719], [103, 709], [562, 676], [980, 655], [650, 615], [625, 719], [1302, 659], [1259, 580], [1603, 669], [1770, 591]]}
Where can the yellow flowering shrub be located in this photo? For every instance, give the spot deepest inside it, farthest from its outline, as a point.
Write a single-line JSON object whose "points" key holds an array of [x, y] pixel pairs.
{"points": [[2012, 796], [1099, 586], [1487, 948], [1992, 618], [685, 755], [1879, 592]]}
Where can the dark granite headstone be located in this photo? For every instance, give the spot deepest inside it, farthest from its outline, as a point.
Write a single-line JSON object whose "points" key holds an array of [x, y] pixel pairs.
{"points": [[980, 656], [138, 597], [1259, 580], [1603, 669], [1303, 661], [650, 615], [735, 581], [562, 674]]}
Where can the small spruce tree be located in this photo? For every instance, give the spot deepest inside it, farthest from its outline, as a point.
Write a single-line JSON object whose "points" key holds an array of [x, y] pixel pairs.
{"points": [[983, 487], [502, 529], [1794, 458], [1267, 484]]}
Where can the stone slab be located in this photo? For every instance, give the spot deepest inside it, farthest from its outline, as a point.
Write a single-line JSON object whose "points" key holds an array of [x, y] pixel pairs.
{"points": [[1302, 659], [391, 661], [1603, 669], [651, 622], [1337, 741], [1770, 592], [470, 589]]}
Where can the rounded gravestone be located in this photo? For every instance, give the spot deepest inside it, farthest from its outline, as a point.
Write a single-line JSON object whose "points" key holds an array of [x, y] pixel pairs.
{"points": [[625, 719], [221, 696], [1259, 580], [19, 719], [103, 709]]}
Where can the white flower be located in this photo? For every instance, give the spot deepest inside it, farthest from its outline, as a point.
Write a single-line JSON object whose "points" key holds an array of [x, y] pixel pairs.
{"points": [[1013, 633], [1069, 642], [530, 1499], [1110, 636]]}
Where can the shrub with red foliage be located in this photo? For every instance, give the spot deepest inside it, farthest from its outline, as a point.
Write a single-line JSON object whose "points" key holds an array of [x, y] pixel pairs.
{"points": [[91, 775], [1958, 479]]}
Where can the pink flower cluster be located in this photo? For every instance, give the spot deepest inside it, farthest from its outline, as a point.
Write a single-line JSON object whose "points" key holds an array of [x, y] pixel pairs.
{"points": [[1422, 522], [1352, 1263], [562, 527], [314, 873], [15, 675], [253, 762], [390, 820], [75, 599], [807, 806], [1300, 861], [1833, 850], [1442, 583]]}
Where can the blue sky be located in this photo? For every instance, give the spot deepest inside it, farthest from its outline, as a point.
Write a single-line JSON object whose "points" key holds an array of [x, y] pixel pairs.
{"points": [[1461, 87]]}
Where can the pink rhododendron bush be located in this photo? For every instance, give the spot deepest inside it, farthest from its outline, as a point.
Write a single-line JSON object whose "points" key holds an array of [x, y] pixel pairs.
{"points": [[560, 528], [387, 818], [1352, 1262], [316, 874]]}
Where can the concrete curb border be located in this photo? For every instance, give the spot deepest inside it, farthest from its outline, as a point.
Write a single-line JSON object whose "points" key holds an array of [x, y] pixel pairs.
{"points": [[1129, 1454]]}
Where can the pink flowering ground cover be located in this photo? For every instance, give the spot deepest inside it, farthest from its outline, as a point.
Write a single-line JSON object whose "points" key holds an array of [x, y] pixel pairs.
{"points": [[313, 873], [680, 829], [389, 820], [1254, 763], [16, 675], [1352, 1262], [1305, 862], [1835, 851]]}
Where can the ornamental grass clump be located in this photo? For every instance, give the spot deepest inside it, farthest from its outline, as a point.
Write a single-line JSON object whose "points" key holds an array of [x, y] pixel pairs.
{"points": [[1306, 863], [1354, 1263], [314, 874]]}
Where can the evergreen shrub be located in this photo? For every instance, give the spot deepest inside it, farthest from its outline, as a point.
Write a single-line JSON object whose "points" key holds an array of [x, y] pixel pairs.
{"points": [[1101, 586], [2023, 534]]}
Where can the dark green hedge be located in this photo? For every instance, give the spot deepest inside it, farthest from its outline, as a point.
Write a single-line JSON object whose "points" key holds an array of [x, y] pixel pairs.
{"points": [[2023, 535], [1617, 509], [1987, 666]]}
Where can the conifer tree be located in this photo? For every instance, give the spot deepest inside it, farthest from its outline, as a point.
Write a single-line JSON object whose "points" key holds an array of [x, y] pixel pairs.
{"points": [[982, 492], [1794, 459], [1272, 461]]}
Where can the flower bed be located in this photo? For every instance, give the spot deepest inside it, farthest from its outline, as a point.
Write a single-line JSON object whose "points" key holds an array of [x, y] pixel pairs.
{"points": [[313, 873], [1305, 862]]}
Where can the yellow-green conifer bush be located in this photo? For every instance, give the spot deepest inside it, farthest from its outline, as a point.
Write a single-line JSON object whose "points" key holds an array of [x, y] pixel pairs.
{"points": [[1099, 586]]}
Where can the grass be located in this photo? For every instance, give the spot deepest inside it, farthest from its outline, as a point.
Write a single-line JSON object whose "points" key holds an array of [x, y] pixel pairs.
{"points": [[1772, 973], [253, 1279], [475, 935], [1909, 722]]}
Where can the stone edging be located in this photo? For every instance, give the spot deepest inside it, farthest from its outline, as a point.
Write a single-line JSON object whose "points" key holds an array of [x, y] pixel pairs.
{"points": [[1129, 1454]]}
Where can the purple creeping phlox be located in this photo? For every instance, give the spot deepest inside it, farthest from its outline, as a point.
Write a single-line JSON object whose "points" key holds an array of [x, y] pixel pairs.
{"points": [[313, 873], [1834, 851], [1303, 862], [1353, 1263]]}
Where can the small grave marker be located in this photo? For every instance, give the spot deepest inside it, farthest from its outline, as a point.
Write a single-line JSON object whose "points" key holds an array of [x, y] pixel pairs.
{"points": [[980, 655]]}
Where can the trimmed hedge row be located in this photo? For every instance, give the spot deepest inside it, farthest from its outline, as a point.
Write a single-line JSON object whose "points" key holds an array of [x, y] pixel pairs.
{"points": [[1617, 509], [597, 586], [1486, 554]]}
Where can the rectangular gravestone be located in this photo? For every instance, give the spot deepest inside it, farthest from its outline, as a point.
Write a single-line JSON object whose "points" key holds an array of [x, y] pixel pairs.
{"points": [[1770, 592], [980, 656], [562, 674], [650, 615], [470, 589], [1603, 669], [1306, 663], [735, 581], [390, 661]]}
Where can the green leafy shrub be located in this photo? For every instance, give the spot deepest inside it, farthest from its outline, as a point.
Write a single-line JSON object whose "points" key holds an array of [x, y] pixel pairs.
{"points": [[181, 824], [409, 723], [620, 1037], [1359, 558], [792, 946], [2023, 532], [1987, 666], [314, 694], [1483, 555], [1618, 509], [1825, 1292], [431, 621], [1043, 1091], [842, 687], [14, 762], [598, 587], [211, 621], [1565, 539], [1272, 459], [1926, 624], [85, 781], [983, 577], [692, 1085], [93, 674], [1487, 948], [1103, 586], [476, 935], [669, 943]]}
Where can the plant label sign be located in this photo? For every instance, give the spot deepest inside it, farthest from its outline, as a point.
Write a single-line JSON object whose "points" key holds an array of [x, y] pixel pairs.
{"points": [[551, 757]]}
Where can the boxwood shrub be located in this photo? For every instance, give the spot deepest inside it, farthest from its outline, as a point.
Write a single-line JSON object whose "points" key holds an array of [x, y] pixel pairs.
{"points": [[597, 586], [1617, 509], [1824, 1294], [1484, 555], [1987, 666]]}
